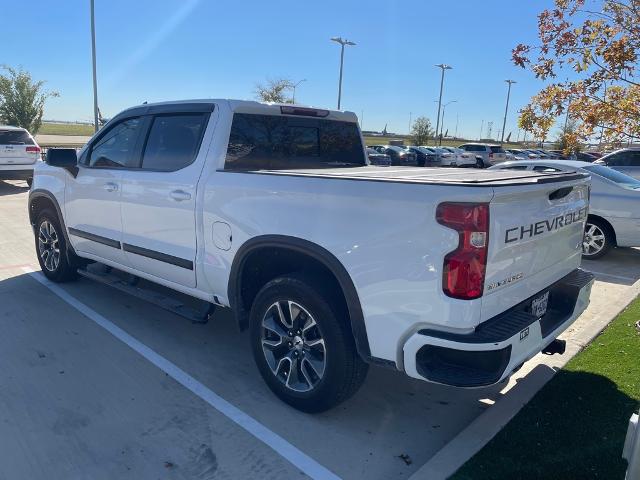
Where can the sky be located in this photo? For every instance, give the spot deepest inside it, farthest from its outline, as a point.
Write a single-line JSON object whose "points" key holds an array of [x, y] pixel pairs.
{"points": [[155, 50]]}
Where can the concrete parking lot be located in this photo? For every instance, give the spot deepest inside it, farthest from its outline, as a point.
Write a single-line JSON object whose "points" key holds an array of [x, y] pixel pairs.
{"points": [[77, 401]]}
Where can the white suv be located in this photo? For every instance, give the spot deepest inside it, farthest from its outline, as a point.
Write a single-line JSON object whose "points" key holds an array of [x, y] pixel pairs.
{"points": [[489, 154], [18, 154]]}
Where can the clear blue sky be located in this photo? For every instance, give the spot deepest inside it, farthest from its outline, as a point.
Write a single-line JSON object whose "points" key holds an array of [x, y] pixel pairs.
{"points": [[173, 49]]}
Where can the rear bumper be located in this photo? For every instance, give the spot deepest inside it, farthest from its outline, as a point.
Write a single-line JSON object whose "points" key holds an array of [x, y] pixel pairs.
{"points": [[500, 345], [16, 172]]}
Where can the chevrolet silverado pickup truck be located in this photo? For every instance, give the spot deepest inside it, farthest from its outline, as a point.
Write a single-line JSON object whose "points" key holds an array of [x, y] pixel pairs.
{"points": [[331, 264]]}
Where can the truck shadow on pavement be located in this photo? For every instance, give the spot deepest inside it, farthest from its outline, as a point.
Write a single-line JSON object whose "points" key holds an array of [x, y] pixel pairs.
{"points": [[13, 187], [574, 428]]}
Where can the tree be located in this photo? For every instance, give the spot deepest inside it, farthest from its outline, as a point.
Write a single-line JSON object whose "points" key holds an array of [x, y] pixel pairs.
{"points": [[21, 99], [274, 90], [567, 138], [421, 131], [599, 49]]}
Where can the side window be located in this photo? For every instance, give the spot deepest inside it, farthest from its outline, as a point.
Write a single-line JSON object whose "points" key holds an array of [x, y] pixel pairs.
{"points": [[173, 141], [617, 160], [634, 158], [116, 146], [516, 167]]}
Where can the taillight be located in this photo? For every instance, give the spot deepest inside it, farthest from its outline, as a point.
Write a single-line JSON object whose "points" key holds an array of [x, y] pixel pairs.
{"points": [[464, 268], [33, 149], [491, 155]]}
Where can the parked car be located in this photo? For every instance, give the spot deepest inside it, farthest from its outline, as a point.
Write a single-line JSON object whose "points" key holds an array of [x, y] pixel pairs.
{"points": [[462, 157], [380, 159], [520, 154], [399, 156], [18, 154], [625, 160], [487, 154], [443, 156], [425, 157], [614, 210], [330, 264]]}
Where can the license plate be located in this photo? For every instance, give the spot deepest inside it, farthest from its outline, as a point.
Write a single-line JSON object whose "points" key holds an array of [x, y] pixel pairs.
{"points": [[539, 305]]}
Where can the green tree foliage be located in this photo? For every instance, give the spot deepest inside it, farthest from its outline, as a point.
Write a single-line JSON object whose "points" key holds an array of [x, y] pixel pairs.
{"points": [[21, 99], [421, 131]]}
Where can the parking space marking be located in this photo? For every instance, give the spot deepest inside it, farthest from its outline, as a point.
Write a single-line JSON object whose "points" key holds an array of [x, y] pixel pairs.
{"points": [[274, 441]]}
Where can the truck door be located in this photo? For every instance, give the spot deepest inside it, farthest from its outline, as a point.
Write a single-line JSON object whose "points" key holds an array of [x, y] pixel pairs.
{"points": [[159, 198], [92, 198]]}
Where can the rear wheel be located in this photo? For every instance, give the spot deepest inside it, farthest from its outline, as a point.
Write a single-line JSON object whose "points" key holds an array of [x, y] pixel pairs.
{"points": [[479, 163], [597, 240], [302, 344], [56, 263]]}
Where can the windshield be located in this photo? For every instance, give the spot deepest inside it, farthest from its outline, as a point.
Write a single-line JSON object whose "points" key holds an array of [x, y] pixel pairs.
{"points": [[615, 176], [15, 137]]}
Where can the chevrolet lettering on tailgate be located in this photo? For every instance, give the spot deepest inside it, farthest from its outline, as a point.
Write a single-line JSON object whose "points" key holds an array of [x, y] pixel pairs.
{"points": [[533, 229]]}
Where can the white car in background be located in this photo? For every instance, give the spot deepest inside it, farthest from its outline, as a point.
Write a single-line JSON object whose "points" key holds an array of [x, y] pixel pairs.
{"points": [[443, 157], [614, 211], [463, 158], [18, 154]]}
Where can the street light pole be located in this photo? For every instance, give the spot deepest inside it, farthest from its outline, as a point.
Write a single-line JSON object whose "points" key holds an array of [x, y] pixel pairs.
{"points": [[295, 85], [342, 43], [443, 67], [506, 109], [444, 107], [93, 58]]}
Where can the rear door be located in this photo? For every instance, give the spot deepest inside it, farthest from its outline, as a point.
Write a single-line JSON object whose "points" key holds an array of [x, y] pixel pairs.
{"points": [[535, 239], [17, 147], [159, 197]]}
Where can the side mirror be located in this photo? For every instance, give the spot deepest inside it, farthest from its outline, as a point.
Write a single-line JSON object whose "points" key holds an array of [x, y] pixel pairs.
{"points": [[66, 158]]}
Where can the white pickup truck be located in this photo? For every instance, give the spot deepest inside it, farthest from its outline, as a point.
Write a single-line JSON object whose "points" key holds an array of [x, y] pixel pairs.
{"points": [[451, 276]]}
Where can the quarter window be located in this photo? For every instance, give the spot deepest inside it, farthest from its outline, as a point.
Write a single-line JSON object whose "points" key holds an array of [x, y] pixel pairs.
{"points": [[115, 148], [173, 141]]}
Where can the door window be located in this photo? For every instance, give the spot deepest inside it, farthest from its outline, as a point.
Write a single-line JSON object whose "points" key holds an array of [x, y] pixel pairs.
{"points": [[173, 141], [115, 148]]}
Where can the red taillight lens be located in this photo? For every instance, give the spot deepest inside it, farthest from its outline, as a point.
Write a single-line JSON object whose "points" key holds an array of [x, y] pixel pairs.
{"points": [[491, 155], [464, 268], [33, 149]]}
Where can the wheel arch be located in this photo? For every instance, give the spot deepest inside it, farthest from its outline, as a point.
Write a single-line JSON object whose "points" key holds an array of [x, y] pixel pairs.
{"points": [[40, 200], [302, 249]]}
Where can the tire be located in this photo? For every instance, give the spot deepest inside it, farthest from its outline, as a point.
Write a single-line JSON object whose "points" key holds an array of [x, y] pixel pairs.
{"points": [[59, 264], [296, 321], [598, 239], [479, 163]]}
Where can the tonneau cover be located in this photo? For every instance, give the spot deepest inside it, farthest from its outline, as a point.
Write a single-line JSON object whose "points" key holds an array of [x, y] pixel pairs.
{"points": [[440, 176]]}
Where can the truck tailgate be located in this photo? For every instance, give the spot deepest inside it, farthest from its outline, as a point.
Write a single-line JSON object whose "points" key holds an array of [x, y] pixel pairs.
{"points": [[535, 238]]}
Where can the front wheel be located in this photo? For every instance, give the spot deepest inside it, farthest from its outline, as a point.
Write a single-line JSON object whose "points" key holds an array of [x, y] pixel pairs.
{"points": [[302, 344], [597, 240], [479, 163], [51, 248]]}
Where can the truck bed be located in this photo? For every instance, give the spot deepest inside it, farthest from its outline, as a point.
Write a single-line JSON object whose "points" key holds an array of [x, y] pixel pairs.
{"points": [[426, 175]]}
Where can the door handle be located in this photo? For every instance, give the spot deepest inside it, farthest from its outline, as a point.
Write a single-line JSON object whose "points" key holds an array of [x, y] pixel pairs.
{"points": [[110, 186], [180, 195]]}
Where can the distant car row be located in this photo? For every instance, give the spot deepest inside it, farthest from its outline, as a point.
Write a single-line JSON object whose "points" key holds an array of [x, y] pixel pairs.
{"points": [[422, 156], [614, 213]]}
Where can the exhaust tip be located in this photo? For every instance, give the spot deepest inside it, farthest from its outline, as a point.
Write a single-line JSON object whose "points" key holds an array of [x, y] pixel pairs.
{"points": [[557, 346]]}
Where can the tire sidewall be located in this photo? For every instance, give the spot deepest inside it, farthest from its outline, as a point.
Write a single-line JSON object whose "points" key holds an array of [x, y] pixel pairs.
{"points": [[335, 338], [608, 239], [62, 272]]}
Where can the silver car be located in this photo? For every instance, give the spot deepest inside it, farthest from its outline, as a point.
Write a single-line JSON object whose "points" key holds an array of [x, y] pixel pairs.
{"points": [[462, 157], [487, 153], [614, 210], [443, 156], [626, 160]]}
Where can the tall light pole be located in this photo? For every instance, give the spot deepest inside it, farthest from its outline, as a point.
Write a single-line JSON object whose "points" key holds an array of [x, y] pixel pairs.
{"points": [[481, 129], [443, 67], [455, 135], [342, 42], [295, 85], [444, 107], [410, 118], [506, 109], [93, 58]]}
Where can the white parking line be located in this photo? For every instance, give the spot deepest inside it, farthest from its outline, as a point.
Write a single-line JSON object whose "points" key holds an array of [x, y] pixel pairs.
{"points": [[298, 458]]}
